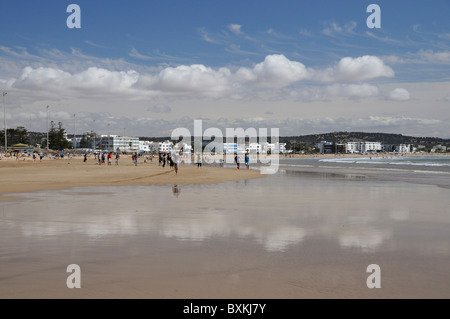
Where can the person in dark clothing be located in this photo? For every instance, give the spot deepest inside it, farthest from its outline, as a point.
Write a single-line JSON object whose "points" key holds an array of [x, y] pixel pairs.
{"points": [[164, 160]]}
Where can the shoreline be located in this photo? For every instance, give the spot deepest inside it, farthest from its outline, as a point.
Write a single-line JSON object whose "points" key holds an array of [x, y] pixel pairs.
{"points": [[27, 175]]}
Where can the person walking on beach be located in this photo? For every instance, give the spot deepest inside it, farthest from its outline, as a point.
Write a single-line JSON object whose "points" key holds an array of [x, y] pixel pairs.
{"points": [[171, 161], [135, 159], [237, 161], [247, 161], [117, 159], [109, 158], [199, 161], [103, 158], [176, 162], [85, 158], [164, 160]]}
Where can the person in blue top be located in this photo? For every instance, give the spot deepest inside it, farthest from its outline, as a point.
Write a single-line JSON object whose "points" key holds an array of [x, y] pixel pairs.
{"points": [[247, 161]]}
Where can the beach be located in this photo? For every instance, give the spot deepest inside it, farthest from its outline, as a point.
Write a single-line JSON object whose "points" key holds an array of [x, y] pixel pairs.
{"points": [[26, 174], [308, 231]]}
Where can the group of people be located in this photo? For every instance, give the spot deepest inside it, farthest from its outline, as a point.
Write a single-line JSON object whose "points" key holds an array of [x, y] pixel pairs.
{"points": [[237, 160], [105, 158], [172, 159]]}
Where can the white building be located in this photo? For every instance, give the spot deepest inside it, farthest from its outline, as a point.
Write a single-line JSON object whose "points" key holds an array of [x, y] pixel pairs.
{"points": [[184, 147], [403, 148], [438, 148], [371, 147], [253, 148], [363, 147], [148, 147], [114, 143], [232, 148], [165, 147], [273, 148]]}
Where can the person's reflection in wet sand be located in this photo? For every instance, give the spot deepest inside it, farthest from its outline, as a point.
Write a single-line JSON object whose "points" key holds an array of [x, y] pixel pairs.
{"points": [[176, 190]]}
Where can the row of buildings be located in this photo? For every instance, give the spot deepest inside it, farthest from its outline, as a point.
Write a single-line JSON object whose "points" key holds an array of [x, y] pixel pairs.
{"points": [[362, 147], [126, 144]]}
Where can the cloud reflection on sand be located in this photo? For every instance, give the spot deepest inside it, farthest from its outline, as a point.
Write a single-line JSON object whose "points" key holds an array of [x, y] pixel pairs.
{"points": [[276, 214]]}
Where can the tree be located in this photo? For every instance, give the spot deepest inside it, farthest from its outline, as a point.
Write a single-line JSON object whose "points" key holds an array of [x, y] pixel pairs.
{"points": [[57, 137], [17, 135], [85, 143]]}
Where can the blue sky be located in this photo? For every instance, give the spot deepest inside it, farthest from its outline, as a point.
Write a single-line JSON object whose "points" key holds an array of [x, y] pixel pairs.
{"points": [[147, 67]]}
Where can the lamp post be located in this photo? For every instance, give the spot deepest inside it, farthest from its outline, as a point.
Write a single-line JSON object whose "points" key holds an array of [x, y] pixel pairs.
{"points": [[94, 136], [4, 121], [47, 127], [74, 138], [109, 136]]}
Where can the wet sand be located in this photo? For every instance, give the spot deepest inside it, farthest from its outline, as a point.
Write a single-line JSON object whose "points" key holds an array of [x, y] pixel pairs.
{"points": [[289, 236]]}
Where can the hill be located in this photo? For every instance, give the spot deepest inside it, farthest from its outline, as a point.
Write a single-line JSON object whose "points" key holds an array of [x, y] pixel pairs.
{"points": [[384, 138]]}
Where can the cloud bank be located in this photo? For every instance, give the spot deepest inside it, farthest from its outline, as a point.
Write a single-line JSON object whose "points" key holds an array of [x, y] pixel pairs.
{"points": [[275, 72]]}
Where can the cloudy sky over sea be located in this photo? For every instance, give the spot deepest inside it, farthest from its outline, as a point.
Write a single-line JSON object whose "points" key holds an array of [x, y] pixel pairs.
{"points": [[144, 68]]}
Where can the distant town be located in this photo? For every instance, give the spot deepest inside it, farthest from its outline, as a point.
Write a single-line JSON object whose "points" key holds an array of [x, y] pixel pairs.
{"points": [[57, 139]]}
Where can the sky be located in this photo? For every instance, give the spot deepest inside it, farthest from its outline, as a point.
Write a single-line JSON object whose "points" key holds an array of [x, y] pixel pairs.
{"points": [[145, 68]]}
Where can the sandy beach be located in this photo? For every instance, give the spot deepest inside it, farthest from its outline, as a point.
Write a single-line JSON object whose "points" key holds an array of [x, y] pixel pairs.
{"points": [[305, 232], [27, 175]]}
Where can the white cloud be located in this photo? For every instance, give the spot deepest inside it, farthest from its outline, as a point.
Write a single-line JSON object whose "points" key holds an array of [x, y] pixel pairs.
{"points": [[136, 54], [274, 72], [96, 45], [90, 80], [159, 108], [385, 39], [305, 32], [420, 57], [207, 36], [397, 121], [352, 90], [355, 69], [196, 78], [333, 28], [82, 79], [269, 78], [445, 36], [430, 56], [399, 94], [276, 34], [235, 28]]}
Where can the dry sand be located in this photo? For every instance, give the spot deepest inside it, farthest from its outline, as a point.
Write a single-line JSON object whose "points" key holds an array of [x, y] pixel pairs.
{"points": [[27, 175]]}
